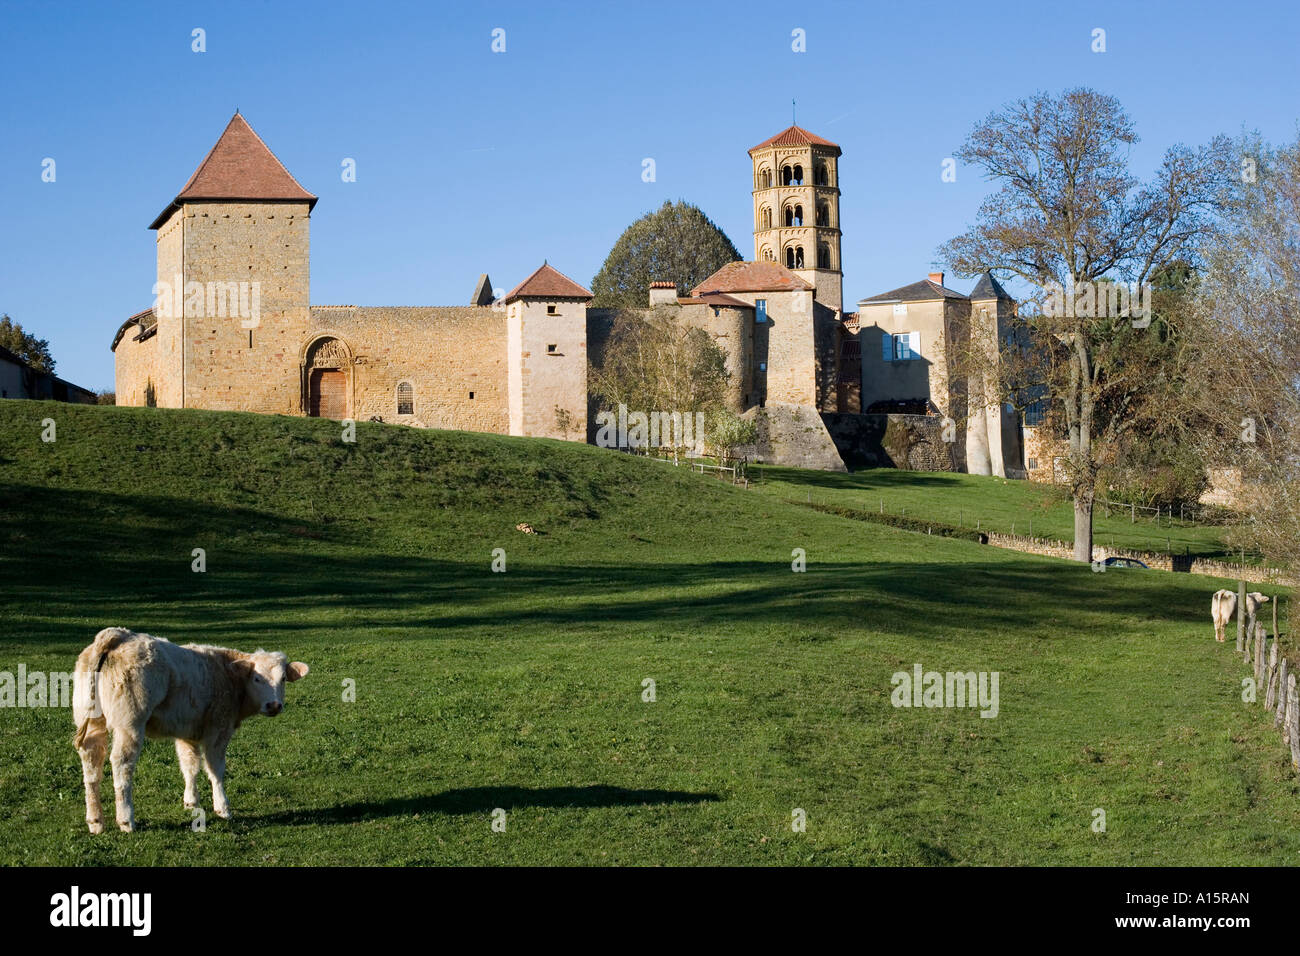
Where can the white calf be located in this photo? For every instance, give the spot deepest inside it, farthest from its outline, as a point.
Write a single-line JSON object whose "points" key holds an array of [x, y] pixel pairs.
{"points": [[137, 686], [1224, 603]]}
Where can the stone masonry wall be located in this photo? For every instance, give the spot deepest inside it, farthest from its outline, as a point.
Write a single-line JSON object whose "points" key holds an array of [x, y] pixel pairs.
{"points": [[454, 357], [266, 243]]}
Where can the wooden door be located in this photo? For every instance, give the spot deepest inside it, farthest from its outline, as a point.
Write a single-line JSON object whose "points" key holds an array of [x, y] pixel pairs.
{"points": [[329, 393]]}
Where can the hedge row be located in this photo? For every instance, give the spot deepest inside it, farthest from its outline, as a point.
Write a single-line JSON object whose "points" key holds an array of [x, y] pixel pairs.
{"points": [[919, 525]]}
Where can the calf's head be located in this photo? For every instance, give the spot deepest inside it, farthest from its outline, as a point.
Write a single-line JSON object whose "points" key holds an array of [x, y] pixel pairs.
{"points": [[262, 676]]}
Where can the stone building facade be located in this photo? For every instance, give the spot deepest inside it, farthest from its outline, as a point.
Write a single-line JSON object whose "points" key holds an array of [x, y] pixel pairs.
{"points": [[233, 327]]}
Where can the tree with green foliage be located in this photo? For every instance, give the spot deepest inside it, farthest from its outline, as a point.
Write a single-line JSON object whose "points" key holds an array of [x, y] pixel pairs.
{"points": [[727, 431], [35, 352], [676, 243]]}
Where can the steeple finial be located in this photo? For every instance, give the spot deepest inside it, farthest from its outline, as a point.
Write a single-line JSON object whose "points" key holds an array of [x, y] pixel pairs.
{"points": [[794, 121]]}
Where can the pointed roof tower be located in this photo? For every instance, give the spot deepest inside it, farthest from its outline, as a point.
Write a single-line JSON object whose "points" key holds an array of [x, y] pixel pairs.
{"points": [[547, 283], [239, 168], [988, 288], [795, 136], [482, 292]]}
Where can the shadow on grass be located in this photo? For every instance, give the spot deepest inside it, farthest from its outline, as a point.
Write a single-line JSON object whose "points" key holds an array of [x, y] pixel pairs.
{"points": [[485, 800], [78, 561]]}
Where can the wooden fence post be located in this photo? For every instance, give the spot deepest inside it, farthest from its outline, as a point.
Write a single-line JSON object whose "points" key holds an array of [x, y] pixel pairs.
{"points": [[1293, 720], [1260, 664], [1270, 696], [1241, 612], [1280, 716]]}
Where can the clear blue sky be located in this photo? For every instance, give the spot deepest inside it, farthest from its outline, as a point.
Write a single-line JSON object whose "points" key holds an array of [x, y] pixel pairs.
{"points": [[470, 161]]}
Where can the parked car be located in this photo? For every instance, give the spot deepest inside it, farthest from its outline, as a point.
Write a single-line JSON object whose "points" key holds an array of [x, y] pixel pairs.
{"points": [[1113, 562]]}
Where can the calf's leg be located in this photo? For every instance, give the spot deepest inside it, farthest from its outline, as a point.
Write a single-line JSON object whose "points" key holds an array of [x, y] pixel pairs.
{"points": [[187, 754], [214, 761], [92, 744], [127, 742]]}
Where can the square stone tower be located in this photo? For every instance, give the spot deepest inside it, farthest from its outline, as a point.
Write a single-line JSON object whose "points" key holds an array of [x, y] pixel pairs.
{"points": [[546, 328], [797, 209], [233, 293]]}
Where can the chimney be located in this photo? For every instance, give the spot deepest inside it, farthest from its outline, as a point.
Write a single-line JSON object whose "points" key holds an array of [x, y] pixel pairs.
{"points": [[936, 278], [663, 293]]}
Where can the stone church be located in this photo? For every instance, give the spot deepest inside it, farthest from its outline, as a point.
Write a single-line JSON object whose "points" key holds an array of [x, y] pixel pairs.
{"points": [[233, 328]]}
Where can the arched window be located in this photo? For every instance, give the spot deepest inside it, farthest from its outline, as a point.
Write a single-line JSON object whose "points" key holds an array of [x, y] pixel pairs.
{"points": [[789, 215], [766, 254], [765, 218], [789, 257], [798, 176], [823, 256], [405, 399], [819, 175], [823, 214], [787, 176], [798, 215], [765, 178], [798, 257]]}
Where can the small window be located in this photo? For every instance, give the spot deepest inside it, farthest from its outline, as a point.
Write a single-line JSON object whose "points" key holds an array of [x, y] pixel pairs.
{"points": [[550, 310], [471, 395], [900, 347], [1032, 464], [762, 366], [760, 310], [405, 399], [550, 349]]}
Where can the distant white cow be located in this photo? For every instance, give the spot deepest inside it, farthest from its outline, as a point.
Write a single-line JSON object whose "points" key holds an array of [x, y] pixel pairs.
{"points": [[1224, 603], [137, 686]]}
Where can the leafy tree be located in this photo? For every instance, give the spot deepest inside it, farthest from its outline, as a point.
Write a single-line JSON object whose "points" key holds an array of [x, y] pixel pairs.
{"points": [[676, 243], [35, 352], [1068, 214], [563, 421], [727, 431]]}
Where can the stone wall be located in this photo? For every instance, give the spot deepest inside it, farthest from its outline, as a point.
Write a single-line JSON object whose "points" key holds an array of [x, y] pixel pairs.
{"points": [[453, 357], [793, 436], [267, 243], [1156, 560], [913, 442], [138, 378]]}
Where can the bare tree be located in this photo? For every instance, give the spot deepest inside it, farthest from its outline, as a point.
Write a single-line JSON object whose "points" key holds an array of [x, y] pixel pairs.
{"points": [[656, 362], [1249, 307], [1071, 220]]}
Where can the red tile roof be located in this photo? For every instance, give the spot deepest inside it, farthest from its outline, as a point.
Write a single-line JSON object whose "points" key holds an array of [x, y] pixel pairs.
{"points": [[239, 167], [751, 277], [715, 299], [548, 283], [794, 136]]}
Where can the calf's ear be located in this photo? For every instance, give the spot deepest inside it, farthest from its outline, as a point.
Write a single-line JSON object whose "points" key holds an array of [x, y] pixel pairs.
{"points": [[296, 671], [240, 669]]}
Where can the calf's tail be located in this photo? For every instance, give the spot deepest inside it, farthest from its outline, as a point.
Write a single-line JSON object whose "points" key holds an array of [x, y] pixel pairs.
{"points": [[87, 709]]}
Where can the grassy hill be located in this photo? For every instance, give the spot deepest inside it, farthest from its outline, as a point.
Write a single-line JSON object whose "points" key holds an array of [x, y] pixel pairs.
{"points": [[998, 504], [523, 690]]}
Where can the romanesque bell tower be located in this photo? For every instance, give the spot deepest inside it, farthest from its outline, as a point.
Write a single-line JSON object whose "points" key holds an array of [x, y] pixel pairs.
{"points": [[797, 209]]}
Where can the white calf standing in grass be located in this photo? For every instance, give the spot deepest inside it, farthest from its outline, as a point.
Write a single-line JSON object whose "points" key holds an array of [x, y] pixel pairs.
{"points": [[1224, 603], [137, 686]]}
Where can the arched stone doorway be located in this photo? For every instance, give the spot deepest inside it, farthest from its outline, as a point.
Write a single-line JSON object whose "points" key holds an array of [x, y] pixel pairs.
{"points": [[328, 379]]}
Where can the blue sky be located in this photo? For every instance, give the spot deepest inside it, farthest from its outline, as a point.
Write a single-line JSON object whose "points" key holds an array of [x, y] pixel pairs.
{"points": [[471, 161]]}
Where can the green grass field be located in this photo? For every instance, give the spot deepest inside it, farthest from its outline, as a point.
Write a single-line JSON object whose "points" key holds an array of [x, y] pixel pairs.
{"points": [[523, 690], [998, 504]]}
